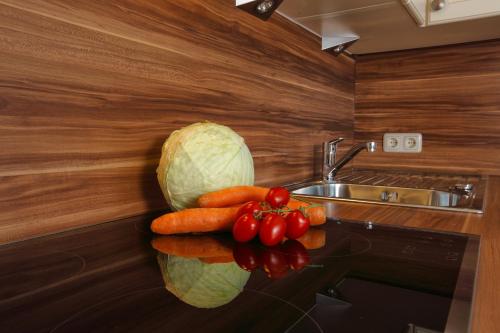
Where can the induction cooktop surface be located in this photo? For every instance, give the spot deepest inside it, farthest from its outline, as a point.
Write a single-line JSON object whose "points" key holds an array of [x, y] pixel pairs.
{"points": [[345, 276]]}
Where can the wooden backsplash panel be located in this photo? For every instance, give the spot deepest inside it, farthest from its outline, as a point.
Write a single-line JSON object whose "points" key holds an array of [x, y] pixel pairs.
{"points": [[90, 90], [449, 94]]}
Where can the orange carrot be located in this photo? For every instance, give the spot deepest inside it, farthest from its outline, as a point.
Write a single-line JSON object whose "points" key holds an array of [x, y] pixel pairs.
{"points": [[313, 239], [232, 196], [237, 195], [192, 246], [195, 220], [218, 260], [316, 214]]}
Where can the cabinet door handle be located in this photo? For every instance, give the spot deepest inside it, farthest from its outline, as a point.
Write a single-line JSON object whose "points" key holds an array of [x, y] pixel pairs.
{"points": [[438, 4]]}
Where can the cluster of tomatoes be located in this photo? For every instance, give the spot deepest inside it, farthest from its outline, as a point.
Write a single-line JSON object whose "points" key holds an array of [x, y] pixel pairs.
{"points": [[275, 261], [271, 220]]}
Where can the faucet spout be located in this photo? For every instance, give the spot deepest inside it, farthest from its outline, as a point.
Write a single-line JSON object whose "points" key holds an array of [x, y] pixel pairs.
{"points": [[370, 146]]}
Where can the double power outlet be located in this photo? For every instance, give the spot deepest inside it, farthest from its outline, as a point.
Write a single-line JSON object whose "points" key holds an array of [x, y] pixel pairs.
{"points": [[403, 142]]}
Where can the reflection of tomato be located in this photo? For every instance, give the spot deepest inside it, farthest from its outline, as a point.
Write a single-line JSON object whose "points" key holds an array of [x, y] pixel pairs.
{"points": [[296, 224], [296, 254], [274, 262], [246, 256], [251, 207], [278, 197], [272, 229], [276, 275], [245, 228]]}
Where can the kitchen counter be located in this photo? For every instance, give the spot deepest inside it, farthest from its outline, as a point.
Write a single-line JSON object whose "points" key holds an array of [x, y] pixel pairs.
{"points": [[72, 279], [485, 316]]}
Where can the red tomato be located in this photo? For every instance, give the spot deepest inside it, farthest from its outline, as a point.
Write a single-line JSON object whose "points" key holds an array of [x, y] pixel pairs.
{"points": [[272, 229], [246, 256], [274, 263], [278, 197], [251, 207], [296, 254], [296, 224], [245, 228]]}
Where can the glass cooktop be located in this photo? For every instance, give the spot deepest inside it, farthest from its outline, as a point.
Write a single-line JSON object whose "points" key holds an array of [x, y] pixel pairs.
{"points": [[345, 276]]}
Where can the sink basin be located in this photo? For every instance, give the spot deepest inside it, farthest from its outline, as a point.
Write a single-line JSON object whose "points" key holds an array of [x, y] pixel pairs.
{"points": [[390, 195]]}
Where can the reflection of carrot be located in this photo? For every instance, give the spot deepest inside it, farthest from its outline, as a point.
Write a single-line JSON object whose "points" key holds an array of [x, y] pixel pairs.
{"points": [[218, 260], [195, 220], [313, 239], [316, 214], [232, 196], [192, 246]]}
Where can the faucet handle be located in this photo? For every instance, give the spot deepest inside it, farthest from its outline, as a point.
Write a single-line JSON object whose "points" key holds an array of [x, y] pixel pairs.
{"points": [[330, 151], [336, 141]]}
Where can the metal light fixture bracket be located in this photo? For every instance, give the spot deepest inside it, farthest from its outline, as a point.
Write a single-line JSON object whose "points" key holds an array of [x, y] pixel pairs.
{"points": [[338, 44]]}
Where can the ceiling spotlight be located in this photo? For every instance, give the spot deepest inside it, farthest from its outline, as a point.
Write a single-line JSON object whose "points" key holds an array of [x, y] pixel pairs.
{"points": [[264, 6], [338, 49], [263, 9], [337, 45]]}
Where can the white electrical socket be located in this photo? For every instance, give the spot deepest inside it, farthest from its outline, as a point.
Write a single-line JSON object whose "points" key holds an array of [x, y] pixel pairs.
{"points": [[403, 142]]}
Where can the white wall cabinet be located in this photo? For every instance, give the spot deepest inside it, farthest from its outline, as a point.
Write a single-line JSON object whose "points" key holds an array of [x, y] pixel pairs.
{"points": [[460, 10], [453, 11]]}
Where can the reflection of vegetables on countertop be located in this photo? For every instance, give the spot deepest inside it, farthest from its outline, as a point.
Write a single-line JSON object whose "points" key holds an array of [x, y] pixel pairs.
{"points": [[200, 246], [200, 284], [313, 239], [219, 249]]}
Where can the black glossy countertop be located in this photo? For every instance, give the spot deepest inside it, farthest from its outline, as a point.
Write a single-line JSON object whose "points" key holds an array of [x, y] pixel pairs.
{"points": [[356, 277]]}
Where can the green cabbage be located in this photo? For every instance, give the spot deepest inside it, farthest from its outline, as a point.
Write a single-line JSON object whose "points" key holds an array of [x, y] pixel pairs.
{"points": [[200, 284], [201, 158]]}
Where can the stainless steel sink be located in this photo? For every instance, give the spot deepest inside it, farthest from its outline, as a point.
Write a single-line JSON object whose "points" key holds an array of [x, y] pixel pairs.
{"points": [[457, 199]]}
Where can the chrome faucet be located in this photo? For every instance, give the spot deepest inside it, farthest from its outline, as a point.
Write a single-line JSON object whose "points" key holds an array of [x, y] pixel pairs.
{"points": [[331, 166]]}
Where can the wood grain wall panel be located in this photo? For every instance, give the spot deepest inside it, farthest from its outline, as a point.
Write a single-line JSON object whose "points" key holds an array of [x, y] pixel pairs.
{"points": [[69, 199], [438, 93], [476, 58], [90, 90], [214, 29]]}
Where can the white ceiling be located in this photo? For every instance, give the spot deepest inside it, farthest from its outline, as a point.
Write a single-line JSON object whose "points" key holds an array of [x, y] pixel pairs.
{"points": [[382, 25]]}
